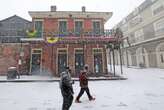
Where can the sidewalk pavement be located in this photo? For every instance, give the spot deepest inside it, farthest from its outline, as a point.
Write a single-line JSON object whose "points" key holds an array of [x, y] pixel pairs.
{"points": [[40, 78]]}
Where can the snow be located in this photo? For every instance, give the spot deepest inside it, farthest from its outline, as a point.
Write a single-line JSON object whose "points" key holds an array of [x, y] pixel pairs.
{"points": [[143, 90], [30, 77]]}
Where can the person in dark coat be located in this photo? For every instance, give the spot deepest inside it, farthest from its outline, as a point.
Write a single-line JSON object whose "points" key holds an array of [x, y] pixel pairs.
{"points": [[66, 89], [84, 86]]}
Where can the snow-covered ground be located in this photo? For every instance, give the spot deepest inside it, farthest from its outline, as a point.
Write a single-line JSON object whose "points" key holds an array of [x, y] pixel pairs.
{"points": [[143, 90]]}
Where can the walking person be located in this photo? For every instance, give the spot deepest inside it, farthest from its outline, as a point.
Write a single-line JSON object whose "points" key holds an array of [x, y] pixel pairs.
{"points": [[84, 86], [66, 89]]}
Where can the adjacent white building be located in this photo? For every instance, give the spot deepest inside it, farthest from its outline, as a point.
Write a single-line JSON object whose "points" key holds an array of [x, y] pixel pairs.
{"points": [[144, 28]]}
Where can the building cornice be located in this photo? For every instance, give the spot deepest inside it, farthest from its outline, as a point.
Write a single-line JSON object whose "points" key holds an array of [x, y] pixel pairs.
{"points": [[71, 14]]}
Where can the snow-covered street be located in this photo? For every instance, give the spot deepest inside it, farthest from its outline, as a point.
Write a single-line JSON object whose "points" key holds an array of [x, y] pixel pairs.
{"points": [[143, 90]]}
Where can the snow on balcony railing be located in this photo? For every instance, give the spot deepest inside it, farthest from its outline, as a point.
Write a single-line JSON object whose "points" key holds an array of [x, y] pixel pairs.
{"points": [[90, 33]]}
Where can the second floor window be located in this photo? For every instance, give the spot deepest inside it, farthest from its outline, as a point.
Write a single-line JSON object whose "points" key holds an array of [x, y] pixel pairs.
{"points": [[78, 27], [157, 8], [135, 21], [139, 36], [39, 28], [159, 27], [62, 27], [96, 27]]}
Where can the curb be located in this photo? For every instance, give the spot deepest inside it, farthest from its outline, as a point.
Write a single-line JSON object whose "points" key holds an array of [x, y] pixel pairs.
{"points": [[57, 80]]}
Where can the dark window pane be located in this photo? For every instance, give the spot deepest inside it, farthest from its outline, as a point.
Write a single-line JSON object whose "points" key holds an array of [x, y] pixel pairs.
{"points": [[39, 28], [62, 27], [78, 27], [96, 28]]}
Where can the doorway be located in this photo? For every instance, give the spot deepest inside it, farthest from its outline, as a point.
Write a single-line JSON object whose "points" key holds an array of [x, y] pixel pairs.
{"points": [[62, 60], [79, 61], [98, 63], [36, 61]]}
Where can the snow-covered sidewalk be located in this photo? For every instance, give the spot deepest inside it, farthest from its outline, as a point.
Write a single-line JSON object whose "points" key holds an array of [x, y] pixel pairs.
{"points": [[143, 90], [44, 78]]}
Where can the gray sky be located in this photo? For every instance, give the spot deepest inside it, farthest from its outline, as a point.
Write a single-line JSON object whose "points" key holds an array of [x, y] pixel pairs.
{"points": [[120, 8]]}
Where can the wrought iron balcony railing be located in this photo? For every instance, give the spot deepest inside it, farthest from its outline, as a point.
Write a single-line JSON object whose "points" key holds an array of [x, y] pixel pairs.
{"points": [[95, 33], [67, 34]]}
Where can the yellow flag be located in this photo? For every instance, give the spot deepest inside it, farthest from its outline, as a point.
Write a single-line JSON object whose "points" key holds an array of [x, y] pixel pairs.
{"points": [[32, 33], [52, 39]]}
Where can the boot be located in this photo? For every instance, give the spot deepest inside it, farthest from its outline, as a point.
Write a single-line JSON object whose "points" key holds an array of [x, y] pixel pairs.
{"points": [[91, 99], [77, 101]]}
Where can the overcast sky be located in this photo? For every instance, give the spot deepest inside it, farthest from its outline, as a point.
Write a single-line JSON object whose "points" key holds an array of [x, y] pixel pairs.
{"points": [[120, 8]]}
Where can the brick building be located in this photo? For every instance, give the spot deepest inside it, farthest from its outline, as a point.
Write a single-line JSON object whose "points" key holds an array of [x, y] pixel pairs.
{"points": [[83, 41], [79, 38]]}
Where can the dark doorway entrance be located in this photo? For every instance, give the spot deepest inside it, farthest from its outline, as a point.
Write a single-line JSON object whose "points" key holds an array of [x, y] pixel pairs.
{"points": [[62, 60], [36, 62], [98, 64], [79, 61]]}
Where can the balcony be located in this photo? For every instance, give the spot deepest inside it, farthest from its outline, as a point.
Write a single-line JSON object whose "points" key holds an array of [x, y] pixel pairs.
{"points": [[89, 33], [102, 36], [67, 37]]}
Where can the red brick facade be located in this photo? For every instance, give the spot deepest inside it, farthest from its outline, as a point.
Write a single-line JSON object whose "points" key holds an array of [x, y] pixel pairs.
{"points": [[74, 51], [50, 60]]}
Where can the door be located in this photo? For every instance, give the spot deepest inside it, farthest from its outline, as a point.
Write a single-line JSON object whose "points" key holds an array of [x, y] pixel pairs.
{"points": [[35, 64], [79, 62], [62, 62], [98, 65]]}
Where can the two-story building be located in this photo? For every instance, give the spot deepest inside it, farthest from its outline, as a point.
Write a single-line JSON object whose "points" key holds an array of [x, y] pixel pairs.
{"points": [[82, 40]]}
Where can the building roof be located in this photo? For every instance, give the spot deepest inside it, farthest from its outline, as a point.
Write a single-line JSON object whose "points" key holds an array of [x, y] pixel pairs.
{"points": [[15, 16], [73, 14]]}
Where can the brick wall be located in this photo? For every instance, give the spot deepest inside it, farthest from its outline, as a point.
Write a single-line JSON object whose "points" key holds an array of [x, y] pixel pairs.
{"points": [[51, 24], [9, 56]]}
